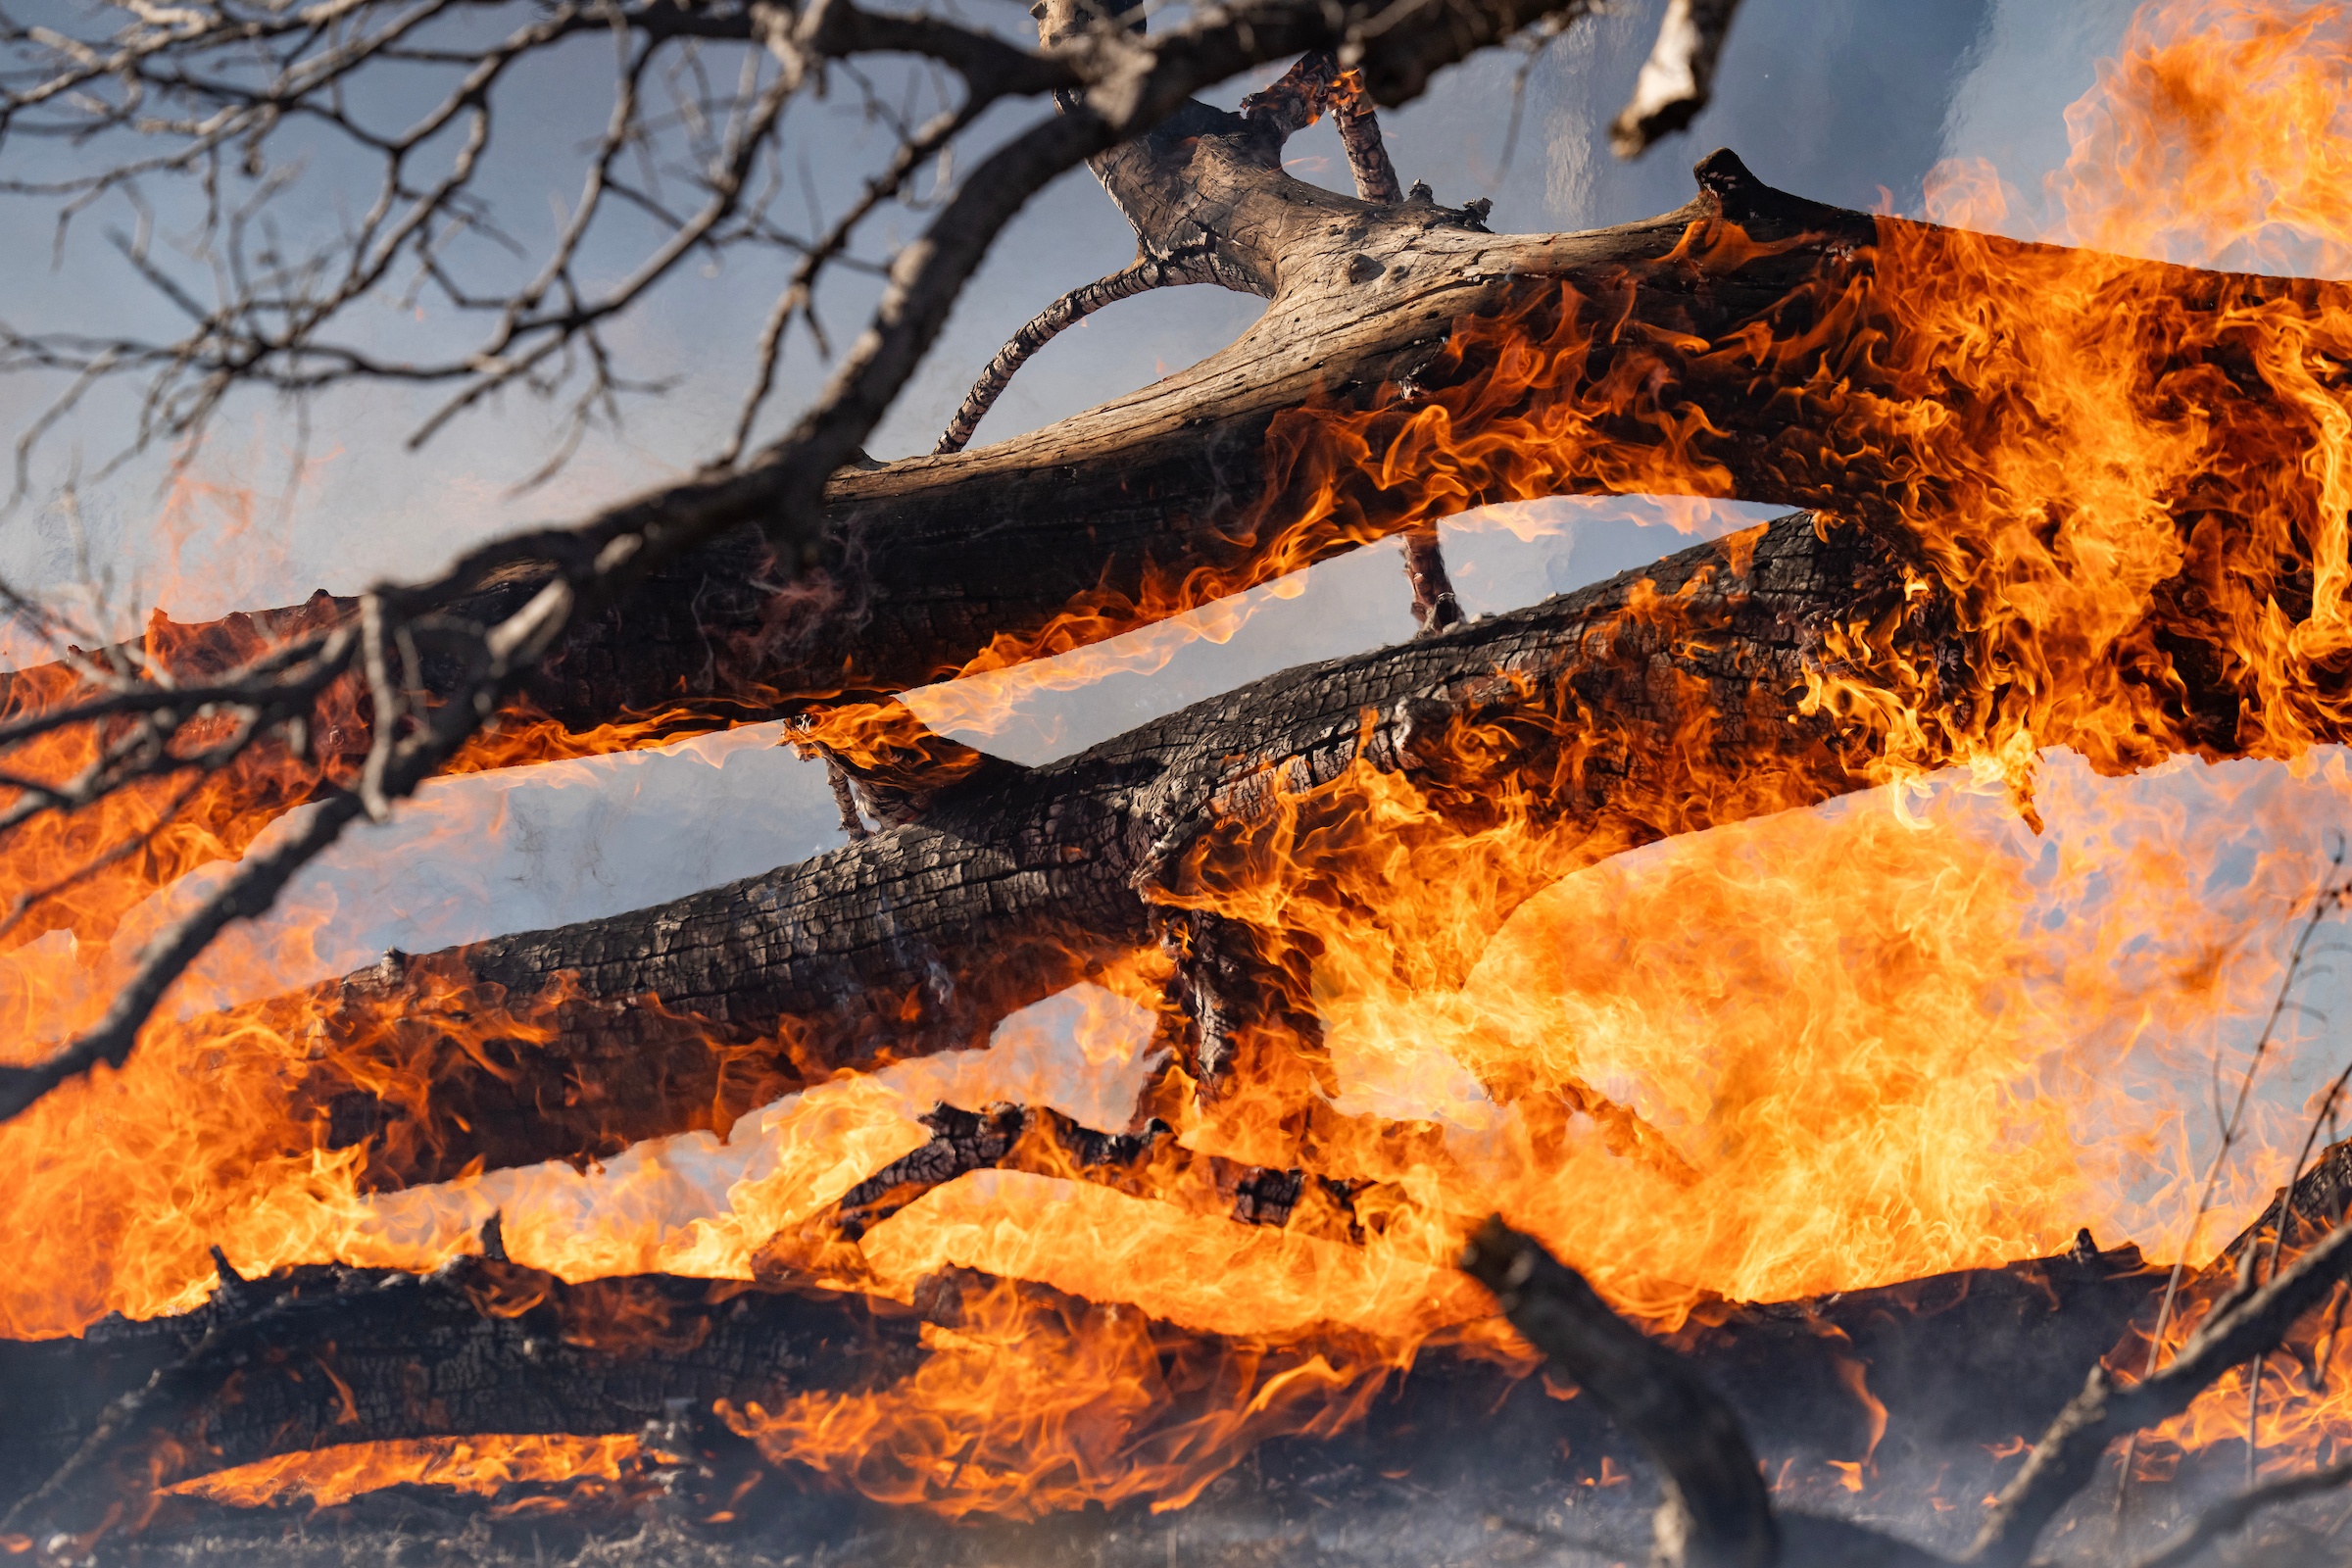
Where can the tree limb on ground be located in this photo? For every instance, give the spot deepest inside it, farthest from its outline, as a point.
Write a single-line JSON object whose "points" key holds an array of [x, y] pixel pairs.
{"points": [[1307, 438]]}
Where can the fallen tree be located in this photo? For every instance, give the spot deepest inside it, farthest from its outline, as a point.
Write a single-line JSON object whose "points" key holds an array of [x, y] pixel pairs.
{"points": [[319, 1359], [1937, 608], [1410, 367], [1662, 702]]}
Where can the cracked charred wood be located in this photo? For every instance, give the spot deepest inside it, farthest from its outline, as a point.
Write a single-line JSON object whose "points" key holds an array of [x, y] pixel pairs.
{"points": [[1311, 435], [320, 1357], [1662, 702], [1016, 882], [2313, 1205], [328, 1357]]}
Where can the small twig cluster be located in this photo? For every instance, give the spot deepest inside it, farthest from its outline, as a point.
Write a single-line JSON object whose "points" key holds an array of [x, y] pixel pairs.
{"points": [[1718, 1513], [173, 73]]}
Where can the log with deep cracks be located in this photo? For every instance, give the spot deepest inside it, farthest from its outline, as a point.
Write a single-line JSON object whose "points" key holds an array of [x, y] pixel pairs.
{"points": [[321, 1356], [1194, 485], [1618, 728]]}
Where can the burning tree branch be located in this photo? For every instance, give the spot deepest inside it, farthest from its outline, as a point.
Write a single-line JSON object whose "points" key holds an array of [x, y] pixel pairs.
{"points": [[1013, 882], [1119, 86], [1309, 437], [2242, 1324]]}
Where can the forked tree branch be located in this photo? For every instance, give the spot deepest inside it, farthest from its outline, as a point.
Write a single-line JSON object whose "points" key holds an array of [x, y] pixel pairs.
{"points": [[1128, 85], [1314, 85]]}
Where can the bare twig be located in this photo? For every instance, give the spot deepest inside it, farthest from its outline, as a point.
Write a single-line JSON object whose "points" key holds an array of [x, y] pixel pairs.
{"points": [[1065, 312], [2328, 896], [2242, 1323], [2227, 1517]]}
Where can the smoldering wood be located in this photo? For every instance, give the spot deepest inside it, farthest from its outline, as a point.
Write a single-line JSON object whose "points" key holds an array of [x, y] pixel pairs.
{"points": [[483, 1347], [2233, 1514], [1716, 1511], [2245, 1321], [325, 1355]]}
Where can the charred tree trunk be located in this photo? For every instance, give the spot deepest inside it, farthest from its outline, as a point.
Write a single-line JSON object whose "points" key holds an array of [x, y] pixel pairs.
{"points": [[1391, 322], [1652, 704]]}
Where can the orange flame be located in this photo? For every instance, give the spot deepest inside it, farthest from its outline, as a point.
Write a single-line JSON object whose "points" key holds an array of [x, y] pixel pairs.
{"points": [[1795, 1053], [480, 1466]]}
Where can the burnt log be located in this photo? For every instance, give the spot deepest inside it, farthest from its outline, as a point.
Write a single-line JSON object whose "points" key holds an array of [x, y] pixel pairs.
{"points": [[1655, 703], [1411, 365], [326, 1356]]}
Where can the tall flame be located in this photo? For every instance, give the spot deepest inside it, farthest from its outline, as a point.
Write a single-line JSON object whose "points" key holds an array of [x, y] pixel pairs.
{"points": [[1805, 1052]]}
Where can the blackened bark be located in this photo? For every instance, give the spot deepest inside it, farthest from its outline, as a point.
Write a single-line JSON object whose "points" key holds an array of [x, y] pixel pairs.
{"points": [[1622, 721], [483, 1347], [1300, 442]]}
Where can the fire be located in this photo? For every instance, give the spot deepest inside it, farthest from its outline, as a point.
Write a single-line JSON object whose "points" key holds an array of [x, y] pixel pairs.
{"points": [[1954, 1082], [482, 1466], [1774, 1052], [1031, 1405]]}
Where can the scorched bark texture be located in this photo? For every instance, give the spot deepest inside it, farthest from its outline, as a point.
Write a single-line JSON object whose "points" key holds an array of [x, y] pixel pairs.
{"points": [[1229, 473], [1015, 882]]}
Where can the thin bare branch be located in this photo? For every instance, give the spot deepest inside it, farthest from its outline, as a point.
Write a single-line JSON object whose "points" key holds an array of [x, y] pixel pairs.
{"points": [[2227, 1517], [1135, 278]]}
